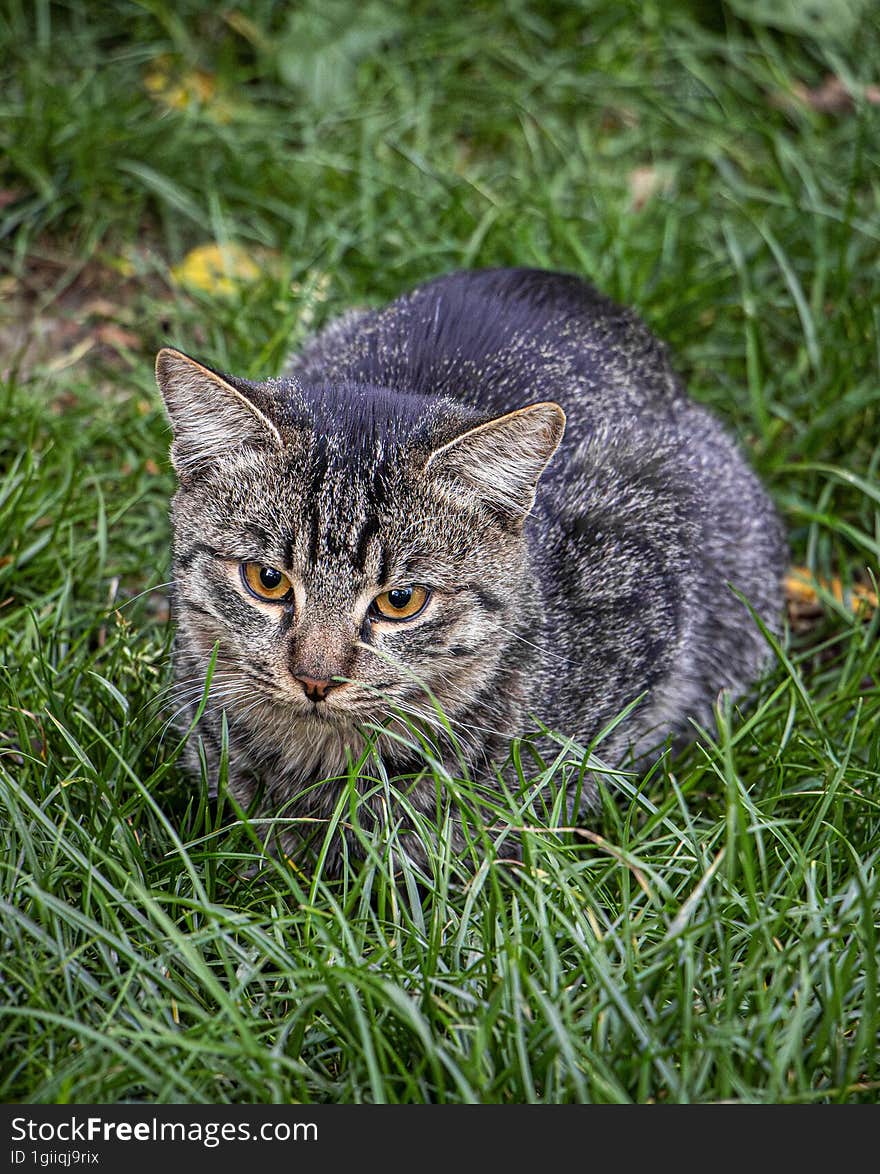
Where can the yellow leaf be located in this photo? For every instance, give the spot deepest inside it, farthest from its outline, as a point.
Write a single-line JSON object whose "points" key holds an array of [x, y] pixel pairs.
{"points": [[178, 92], [801, 587], [218, 269]]}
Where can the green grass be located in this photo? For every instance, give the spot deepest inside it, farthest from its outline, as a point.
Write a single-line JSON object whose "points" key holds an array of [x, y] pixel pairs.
{"points": [[713, 935]]}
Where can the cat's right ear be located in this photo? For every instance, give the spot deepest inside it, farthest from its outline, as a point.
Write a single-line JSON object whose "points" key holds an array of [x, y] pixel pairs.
{"points": [[209, 416]]}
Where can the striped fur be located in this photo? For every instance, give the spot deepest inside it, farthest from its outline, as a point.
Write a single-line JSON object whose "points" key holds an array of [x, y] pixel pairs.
{"points": [[422, 443]]}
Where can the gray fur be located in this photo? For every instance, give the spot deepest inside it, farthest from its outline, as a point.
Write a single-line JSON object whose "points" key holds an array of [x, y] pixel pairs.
{"points": [[382, 459]]}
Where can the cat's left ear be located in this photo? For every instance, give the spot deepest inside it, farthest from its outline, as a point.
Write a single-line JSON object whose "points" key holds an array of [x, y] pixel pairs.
{"points": [[209, 416], [501, 461]]}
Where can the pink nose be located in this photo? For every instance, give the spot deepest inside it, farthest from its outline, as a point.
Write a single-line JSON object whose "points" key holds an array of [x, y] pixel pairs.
{"points": [[314, 689]]}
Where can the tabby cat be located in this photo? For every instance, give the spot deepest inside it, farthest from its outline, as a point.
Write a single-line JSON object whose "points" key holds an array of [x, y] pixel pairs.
{"points": [[491, 496]]}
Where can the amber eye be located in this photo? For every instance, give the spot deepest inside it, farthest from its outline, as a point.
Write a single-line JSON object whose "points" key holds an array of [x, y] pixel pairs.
{"points": [[266, 582], [400, 603]]}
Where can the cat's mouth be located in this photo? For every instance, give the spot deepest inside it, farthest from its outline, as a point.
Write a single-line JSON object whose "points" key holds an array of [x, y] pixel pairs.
{"points": [[352, 705], [346, 717], [322, 712], [328, 711]]}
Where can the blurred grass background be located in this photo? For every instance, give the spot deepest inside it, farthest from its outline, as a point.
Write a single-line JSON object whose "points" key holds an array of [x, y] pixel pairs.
{"points": [[715, 165]]}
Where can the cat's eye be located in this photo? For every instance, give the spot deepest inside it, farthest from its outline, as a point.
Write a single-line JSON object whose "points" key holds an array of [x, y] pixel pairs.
{"points": [[400, 603], [266, 582]]}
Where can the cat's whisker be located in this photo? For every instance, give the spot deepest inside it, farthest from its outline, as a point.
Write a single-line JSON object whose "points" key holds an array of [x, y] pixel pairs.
{"points": [[231, 702], [146, 591], [430, 714], [170, 724], [192, 692], [453, 687], [197, 692], [176, 704], [542, 648], [434, 722], [171, 721], [508, 732], [190, 699], [195, 679]]}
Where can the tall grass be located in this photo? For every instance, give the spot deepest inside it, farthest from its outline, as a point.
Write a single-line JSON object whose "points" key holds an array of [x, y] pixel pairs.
{"points": [[712, 935]]}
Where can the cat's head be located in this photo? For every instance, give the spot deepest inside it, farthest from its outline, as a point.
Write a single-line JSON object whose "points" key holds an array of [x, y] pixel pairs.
{"points": [[351, 549]]}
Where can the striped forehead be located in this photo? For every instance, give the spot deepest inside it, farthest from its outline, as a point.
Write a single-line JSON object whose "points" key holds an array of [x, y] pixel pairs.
{"points": [[341, 533], [343, 493], [359, 421]]}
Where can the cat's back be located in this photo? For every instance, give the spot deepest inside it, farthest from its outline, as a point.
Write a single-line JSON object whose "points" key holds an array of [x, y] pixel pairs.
{"points": [[496, 339]]}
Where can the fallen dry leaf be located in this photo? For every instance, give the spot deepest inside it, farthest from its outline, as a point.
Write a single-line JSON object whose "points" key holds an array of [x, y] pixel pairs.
{"points": [[831, 97], [613, 118], [645, 182], [117, 337], [803, 595], [100, 308], [39, 327], [65, 401], [218, 269], [178, 92]]}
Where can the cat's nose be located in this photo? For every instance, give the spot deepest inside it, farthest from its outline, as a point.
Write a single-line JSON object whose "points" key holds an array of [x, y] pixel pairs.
{"points": [[314, 689]]}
